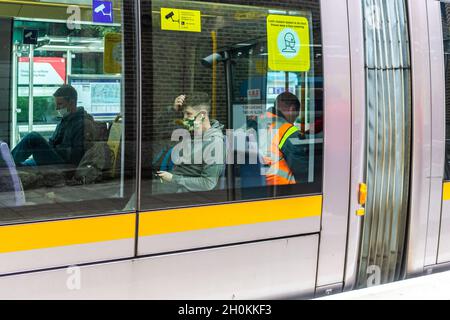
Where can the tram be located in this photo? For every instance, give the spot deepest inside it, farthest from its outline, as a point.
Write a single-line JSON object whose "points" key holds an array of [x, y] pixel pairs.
{"points": [[111, 214]]}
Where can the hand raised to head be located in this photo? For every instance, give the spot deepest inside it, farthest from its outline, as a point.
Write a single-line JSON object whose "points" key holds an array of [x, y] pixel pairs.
{"points": [[179, 101]]}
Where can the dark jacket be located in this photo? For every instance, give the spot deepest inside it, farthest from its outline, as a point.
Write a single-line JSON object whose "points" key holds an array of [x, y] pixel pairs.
{"points": [[73, 136]]}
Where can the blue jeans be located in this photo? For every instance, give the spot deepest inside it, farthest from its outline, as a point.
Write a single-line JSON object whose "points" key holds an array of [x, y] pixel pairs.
{"points": [[33, 144]]}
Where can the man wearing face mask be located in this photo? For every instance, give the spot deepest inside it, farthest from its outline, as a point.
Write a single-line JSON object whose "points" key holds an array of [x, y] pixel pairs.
{"points": [[70, 140], [194, 175]]}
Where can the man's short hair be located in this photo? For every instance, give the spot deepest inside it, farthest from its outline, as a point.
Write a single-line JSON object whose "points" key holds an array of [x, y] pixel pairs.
{"points": [[288, 99], [198, 101], [67, 92]]}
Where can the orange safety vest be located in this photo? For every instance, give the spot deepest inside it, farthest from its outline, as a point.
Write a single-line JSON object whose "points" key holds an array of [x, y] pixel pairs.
{"points": [[279, 130]]}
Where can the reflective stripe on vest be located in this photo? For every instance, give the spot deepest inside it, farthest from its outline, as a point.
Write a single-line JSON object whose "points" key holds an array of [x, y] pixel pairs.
{"points": [[286, 136]]}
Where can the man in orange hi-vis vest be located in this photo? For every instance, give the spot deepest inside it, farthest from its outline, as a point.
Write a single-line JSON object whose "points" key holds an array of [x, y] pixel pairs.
{"points": [[281, 148]]}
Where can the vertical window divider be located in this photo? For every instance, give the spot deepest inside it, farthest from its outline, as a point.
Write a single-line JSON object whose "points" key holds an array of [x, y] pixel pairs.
{"points": [[138, 120]]}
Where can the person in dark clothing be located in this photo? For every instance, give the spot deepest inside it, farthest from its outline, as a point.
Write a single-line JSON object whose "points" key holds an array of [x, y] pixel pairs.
{"points": [[282, 149], [70, 140]]}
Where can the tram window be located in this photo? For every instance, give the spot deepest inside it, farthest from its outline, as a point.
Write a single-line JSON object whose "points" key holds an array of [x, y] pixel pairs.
{"points": [[235, 107], [445, 11], [69, 112]]}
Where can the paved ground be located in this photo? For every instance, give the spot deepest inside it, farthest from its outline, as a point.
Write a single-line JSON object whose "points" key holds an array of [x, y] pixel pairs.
{"points": [[431, 287]]}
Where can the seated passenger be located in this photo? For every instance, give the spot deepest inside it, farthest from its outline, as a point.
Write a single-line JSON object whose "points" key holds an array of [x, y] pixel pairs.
{"points": [[284, 155], [70, 140], [197, 167]]}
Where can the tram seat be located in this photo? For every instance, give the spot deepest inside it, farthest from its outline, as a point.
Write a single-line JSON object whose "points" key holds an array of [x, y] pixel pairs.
{"points": [[114, 143], [167, 163], [11, 190], [101, 131]]}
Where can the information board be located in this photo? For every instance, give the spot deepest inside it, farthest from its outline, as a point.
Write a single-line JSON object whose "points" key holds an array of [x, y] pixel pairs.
{"points": [[99, 95]]}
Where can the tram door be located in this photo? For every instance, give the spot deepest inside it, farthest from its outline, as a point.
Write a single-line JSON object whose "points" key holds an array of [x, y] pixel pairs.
{"points": [[427, 228], [398, 145], [440, 252], [382, 133]]}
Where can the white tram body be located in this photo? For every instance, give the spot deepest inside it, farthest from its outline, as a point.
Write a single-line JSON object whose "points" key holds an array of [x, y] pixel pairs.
{"points": [[372, 79]]}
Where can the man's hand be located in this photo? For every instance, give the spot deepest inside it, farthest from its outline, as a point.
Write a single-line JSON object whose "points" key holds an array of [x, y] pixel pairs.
{"points": [[179, 101], [165, 176]]}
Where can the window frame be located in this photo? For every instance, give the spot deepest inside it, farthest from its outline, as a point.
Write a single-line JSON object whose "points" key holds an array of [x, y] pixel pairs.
{"points": [[149, 202], [97, 233], [159, 226]]}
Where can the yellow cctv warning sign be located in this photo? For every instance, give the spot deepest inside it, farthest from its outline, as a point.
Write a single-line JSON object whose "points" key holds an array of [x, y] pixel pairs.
{"points": [[289, 43], [112, 59], [181, 20]]}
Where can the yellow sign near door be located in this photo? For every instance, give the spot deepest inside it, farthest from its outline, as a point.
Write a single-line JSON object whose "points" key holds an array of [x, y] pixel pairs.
{"points": [[289, 43], [112, 59], [181, 20]]}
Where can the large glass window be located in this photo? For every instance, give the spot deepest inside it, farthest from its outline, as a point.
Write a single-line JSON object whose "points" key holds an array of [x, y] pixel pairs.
{"points": [[68, 109], [233, 101]]}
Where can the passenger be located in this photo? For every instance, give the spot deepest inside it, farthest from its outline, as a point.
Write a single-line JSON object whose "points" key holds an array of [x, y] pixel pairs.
{"points": [[280, 143], [70, 140], [194, 175]]}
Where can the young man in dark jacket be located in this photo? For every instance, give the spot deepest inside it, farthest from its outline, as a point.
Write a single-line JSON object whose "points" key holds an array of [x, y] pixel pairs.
{"points": [[71, 139]]}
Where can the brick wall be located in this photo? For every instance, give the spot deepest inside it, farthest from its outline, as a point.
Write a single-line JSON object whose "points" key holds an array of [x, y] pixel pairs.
{"points": [[130, 74], [5, 78]]}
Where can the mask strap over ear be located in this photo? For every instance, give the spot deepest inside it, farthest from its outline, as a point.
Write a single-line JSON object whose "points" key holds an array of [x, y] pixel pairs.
{"points": [[200, 113]]}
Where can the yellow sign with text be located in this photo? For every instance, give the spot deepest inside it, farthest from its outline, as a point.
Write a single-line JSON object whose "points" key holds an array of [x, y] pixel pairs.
{"points": [[112, 59], [181, 20], [289, 43]]}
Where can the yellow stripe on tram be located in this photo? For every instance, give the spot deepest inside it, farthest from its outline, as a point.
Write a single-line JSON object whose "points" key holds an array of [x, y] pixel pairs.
{"points": [[228, 215], [61, 233], [446, 191], [66, 232]]}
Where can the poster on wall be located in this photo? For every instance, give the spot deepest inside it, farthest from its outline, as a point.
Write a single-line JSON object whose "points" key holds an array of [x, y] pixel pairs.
{"points": [[49, 71]]}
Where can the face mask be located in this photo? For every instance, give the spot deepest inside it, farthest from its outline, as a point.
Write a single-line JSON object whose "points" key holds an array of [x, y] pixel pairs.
{"points": [[190, 124], [63, 112]]}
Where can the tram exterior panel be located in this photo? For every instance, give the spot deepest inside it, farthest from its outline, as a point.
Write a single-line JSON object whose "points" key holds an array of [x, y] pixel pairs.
{"points": [[377, 83]]}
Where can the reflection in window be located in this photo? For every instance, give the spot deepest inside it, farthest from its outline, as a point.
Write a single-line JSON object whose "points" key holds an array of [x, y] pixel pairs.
{"points": [[64, 149], [258, 130]]}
